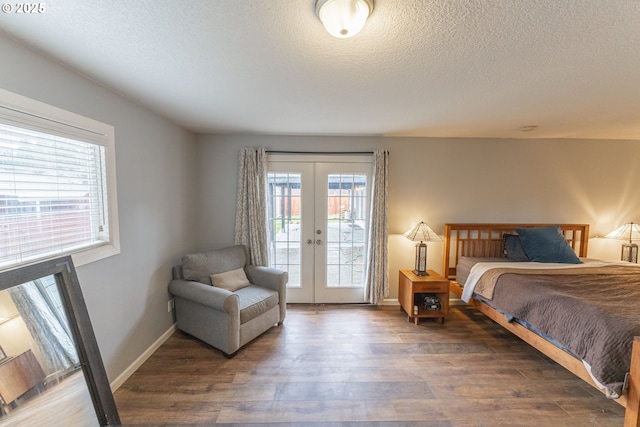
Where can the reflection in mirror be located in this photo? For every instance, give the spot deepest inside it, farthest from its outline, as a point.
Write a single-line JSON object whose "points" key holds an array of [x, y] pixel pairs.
{"points": [[40, 371], [51, 372]]}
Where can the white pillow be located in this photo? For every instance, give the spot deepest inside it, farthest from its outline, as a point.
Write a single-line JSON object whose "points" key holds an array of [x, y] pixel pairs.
{"points": [[230, 280]]}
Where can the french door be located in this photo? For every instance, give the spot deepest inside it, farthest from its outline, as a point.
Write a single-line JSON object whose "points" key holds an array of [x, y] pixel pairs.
{"points": [[318, 216]]}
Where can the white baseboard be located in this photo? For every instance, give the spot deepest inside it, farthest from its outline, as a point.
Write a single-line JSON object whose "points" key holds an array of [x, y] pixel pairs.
{"points": [[117, 383], [389, 301]]}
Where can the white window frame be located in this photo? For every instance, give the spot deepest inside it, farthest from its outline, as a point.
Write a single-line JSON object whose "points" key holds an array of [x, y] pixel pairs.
{"points": [[16, 108]]}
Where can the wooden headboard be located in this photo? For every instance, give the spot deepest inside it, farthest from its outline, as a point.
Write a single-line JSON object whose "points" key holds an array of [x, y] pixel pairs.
{"points": [[485, 240]]}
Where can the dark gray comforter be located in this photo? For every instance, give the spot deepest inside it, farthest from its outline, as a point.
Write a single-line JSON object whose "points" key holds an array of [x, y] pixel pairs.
{"points": [[594, 314]]}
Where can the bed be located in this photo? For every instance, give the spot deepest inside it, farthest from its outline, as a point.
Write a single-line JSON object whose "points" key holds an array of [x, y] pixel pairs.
{"points": [[497, 282]]}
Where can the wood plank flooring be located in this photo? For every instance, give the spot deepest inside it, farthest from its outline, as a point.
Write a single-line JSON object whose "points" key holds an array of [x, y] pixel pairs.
{"points": [[347, 365], [42, 407]]}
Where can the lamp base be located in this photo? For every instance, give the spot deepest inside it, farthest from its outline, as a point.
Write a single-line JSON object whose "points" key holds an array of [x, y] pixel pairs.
{"points": [[629, 252], [421, 260]]}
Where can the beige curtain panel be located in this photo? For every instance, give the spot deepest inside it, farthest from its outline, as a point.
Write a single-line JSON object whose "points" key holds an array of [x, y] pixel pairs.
{"points": [[251, 211], [377, 282]]}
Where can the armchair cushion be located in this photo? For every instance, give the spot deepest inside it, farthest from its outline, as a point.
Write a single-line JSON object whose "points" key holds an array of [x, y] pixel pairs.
{"points": [[200, 266], [254, 301], [230, 280]]}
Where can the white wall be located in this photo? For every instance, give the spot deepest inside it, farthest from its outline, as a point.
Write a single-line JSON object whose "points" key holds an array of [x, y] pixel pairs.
{"points": [[440, 180], [126, 295]]}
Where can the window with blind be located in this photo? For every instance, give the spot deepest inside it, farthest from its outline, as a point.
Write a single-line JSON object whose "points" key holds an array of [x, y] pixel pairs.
{"points": [[55, 186]]}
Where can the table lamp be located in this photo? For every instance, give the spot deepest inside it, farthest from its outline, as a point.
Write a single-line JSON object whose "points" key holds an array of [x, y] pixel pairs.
{"points": [[422, 233], [629, 231]]}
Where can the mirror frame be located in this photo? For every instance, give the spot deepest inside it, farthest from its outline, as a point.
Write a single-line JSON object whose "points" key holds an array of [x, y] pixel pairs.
{"points": [[80, 325]]}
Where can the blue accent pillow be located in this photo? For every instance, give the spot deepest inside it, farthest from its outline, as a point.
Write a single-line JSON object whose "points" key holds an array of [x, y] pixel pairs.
{"points": [[547, 244], [513, 248]]}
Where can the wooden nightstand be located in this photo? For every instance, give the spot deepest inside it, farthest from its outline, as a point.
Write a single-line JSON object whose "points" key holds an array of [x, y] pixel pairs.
{"points": [[18, 375], [410, 284]]}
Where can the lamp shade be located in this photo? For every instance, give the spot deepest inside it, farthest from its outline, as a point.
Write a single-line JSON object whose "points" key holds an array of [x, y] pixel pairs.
{"points": [[421, 232], [628, 231], [343, 18]]}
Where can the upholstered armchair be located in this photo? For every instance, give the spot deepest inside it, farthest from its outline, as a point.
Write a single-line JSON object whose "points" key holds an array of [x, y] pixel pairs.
{"points": [[224, 301]]}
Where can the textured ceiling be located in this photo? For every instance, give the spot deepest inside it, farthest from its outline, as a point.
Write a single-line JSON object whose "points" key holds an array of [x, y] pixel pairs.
{"points": [[454, 68]]}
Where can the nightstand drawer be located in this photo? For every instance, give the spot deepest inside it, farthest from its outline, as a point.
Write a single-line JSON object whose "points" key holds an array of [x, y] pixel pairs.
{"points": [[431, 287]]}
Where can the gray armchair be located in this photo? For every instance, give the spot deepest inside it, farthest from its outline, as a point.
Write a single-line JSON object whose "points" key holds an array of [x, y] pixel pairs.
{"points": [[227, 319]]}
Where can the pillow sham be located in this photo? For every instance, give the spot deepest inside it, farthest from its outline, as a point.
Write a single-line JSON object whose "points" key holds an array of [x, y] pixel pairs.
{"points": [[547, 244], [230, 280], [513, 248]]}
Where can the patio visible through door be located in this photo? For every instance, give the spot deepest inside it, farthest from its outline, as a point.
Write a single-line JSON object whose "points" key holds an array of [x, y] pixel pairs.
{"points": [[318, 220]]}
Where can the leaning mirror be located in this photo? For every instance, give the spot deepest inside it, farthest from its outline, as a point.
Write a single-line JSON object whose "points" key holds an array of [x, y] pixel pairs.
{"points": [[51, 371]]}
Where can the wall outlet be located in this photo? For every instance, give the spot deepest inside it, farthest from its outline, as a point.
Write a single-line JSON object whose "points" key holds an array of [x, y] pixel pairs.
{"points": [[170, 305]]}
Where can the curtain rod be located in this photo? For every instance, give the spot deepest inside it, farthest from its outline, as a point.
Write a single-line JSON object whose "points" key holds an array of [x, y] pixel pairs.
{"points": [[318, 152]]}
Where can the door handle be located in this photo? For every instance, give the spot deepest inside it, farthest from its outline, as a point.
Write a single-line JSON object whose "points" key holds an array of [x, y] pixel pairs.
{"points": [[318, 242], [309, 241]]}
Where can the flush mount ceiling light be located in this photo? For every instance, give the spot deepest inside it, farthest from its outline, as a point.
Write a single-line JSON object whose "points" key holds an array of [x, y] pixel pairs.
{"points": [[343, 18]]}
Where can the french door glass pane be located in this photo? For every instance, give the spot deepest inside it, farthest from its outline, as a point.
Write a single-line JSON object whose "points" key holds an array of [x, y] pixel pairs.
{"points": [[284, 222], [346, 230]]}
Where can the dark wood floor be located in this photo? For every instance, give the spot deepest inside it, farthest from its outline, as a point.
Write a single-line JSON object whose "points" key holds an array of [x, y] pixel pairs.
{"points": [[362, 365]]}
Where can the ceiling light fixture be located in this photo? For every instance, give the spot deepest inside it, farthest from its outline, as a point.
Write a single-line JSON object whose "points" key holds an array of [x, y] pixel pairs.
{"points": [[4, 319], [343, 18]]}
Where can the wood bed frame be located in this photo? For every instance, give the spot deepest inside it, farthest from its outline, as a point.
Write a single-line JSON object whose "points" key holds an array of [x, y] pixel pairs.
{"points": [[485, 240]]}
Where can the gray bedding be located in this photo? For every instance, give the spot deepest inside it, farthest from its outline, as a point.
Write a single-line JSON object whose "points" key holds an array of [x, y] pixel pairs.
{"points": [[593, 314], [463, 268]]}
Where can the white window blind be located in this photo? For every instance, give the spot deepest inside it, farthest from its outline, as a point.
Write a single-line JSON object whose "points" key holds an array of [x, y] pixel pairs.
{"points": [[52, 195], [57, 184]]}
